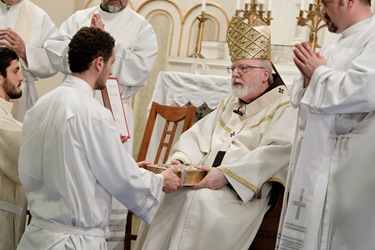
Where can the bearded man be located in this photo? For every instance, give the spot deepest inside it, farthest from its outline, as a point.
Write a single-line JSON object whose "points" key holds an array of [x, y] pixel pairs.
{"points": [[135, 53], [244, 145], [335, 93], [12, 198]]}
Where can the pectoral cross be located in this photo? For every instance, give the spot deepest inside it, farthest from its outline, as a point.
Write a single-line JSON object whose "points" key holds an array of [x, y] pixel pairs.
{"points": [[299, 203]]}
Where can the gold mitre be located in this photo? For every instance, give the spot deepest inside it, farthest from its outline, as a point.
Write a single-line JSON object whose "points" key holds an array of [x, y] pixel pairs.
{"points": [[248, 41]]}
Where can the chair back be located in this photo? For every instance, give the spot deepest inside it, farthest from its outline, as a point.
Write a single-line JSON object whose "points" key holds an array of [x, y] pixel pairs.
{"points": [[172, 115]]}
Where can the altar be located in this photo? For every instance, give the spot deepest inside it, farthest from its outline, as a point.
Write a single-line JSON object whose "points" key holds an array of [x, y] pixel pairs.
{"points": [[180, 89]]}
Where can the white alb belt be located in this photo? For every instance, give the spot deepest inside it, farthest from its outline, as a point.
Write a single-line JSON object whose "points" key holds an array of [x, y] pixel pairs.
{"points": [[10, 208], [68, 229]]}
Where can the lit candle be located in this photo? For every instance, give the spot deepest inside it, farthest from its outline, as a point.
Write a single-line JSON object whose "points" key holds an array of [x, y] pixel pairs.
{"points": [[238, 5], [203, 5], [269, 5], [303, 5]]}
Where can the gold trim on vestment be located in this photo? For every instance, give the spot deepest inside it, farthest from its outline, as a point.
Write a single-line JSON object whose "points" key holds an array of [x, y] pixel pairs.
{"points": [[274, 179], [266, 118], [256, 190]]}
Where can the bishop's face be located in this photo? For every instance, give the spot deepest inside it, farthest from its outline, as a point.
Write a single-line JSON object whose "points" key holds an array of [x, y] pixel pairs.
{"points": [[114, 6], [249, 79], [11, 83]]}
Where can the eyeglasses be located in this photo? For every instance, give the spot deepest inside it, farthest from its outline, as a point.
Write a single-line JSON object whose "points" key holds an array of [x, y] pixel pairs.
{"points": [[242, 69]]}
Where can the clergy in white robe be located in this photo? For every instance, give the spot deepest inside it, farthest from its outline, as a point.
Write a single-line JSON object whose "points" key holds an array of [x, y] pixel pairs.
{"points": [[136, 49], [12, 197], [336, 106], [259, 152], [24, 27], [72, 161], [244, 145]]}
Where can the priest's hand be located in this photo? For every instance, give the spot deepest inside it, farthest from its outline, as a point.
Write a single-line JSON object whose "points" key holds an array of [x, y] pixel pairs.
{"points": [[215, 179], [143, 164], [171, 180], [306, 59], [96, 22], [10, 39]]}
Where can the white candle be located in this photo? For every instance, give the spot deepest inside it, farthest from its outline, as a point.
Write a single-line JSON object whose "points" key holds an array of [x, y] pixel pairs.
{"points": [[238, 5], [203, 5], [303, 5], [269, 5]]}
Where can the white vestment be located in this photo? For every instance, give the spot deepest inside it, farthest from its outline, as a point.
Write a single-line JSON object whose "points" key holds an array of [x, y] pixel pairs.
{"points": [[71, 163], [335, 110], [34, 26], [355, 184], [257, 152], [12, 197], [135, 51]]}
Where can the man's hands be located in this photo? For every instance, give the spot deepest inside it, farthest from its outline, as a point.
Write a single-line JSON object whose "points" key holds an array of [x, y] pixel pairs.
{"points": [[96, 22], [215, 179], [171, 180], [307, 60], [10, 39]]}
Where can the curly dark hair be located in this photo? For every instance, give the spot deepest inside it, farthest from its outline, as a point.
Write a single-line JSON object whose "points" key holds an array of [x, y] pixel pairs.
{"points": [[6, 58], [88, 44]]}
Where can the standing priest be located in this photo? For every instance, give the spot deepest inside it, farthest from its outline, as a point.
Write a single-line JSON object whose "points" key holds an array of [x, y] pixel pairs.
{"points": [[24, 27], [72, 161]]}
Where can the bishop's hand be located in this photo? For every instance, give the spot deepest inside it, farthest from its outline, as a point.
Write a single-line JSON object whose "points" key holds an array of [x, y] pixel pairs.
{"points": [[215, 179]]}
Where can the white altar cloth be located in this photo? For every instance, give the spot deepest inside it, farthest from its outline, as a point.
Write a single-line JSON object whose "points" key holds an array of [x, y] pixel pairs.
{"points": [[175, 88]]}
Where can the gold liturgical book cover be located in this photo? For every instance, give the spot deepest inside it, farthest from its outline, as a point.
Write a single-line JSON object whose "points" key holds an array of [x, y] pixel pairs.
{"points": [[188, 173], [113, 101]]}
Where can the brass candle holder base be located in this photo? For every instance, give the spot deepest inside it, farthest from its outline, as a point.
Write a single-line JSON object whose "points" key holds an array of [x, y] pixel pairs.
{"points": [[198, 47]]}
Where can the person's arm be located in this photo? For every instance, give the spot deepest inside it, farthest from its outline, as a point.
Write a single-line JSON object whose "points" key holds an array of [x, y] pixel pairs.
{"points": [[133, 64], [249, 171], [37, 61], [349, 91], [117, 172], [57, 44], [194, 144]]}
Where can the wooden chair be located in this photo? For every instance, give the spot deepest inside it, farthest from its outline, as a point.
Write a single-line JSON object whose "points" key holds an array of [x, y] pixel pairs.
{"points": [[266, 236], [172, 115]]}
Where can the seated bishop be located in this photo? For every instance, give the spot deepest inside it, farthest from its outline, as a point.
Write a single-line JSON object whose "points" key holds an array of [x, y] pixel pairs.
{"points": [[244, 145]]}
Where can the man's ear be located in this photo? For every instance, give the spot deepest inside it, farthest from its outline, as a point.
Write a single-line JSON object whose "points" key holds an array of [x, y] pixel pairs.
{"points": [[266, 74], [99, 63]]}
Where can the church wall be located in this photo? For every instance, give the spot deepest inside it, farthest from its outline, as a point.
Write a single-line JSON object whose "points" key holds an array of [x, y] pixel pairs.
{"points": [[177, 27]]}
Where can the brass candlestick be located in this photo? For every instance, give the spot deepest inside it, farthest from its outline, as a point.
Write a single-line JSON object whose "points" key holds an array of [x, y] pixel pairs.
{"points": [[198, 47], [253, 11], [313, 15]]}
